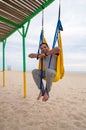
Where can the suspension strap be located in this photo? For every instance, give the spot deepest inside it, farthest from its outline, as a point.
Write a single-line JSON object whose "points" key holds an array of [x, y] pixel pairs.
{"points": [[58, 28], [40, 41], [42, 31]]}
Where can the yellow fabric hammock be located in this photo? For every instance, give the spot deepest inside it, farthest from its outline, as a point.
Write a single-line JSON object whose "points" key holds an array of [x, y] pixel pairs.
{"points": [[60, 61]]}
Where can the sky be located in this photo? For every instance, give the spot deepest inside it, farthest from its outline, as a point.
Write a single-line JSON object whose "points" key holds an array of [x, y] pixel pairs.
{"points": [[73, 18]]}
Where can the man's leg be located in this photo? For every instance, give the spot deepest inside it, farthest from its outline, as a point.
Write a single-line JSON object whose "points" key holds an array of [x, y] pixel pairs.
{"points": [[36, 76], [49, 74]]}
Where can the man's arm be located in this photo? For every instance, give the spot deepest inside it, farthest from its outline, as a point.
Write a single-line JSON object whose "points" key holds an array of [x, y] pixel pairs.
{"points": [[55, 50], [33, 55]]}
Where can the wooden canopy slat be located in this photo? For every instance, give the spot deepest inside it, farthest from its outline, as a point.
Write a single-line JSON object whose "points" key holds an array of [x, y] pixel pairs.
{"points": [[33, 3], [24, 6], [40, 2], [31, 6], [21, 8], [10, 10], [4, 31], [14, 7], [6, 25], [10, 17], [5, 28], [15, 13]]}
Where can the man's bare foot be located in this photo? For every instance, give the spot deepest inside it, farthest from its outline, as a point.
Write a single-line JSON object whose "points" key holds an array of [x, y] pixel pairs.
{"points": [[39, 96], [45, 97]]}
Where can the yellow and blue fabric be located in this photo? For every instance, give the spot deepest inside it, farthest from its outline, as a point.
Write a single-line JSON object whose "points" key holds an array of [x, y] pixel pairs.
{"points": [[60, 60]]}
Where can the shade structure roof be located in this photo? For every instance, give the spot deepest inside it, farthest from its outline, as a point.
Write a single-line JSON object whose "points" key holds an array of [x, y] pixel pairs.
{"points": [[15, 13]]}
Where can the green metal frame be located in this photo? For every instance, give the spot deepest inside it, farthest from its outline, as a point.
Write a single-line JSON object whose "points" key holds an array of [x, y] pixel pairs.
{"points": [[23, 34], [3, 61], [4, 43]]}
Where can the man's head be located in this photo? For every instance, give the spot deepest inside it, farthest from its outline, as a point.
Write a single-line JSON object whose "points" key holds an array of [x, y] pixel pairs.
{"points": [[44, 47]]}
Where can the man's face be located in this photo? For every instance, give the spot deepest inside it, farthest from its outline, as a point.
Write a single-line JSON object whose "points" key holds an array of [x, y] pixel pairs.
{"points": [[44, 48]]}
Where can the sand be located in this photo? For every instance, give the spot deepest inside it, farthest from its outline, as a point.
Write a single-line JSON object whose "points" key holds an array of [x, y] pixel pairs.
{"points": [[65, 109]]}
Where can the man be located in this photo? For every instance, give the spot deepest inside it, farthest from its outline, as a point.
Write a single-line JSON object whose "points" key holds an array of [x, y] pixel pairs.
{"points": [[49, 72]]}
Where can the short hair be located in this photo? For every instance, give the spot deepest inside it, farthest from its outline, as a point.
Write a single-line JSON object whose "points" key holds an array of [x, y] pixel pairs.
{"points": [[44, 44]]}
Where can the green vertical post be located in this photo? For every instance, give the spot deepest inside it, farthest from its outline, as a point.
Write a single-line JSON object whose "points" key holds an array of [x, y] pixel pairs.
{"points": [[24, 49], [23, 34], [3, 62], [24, 60]]}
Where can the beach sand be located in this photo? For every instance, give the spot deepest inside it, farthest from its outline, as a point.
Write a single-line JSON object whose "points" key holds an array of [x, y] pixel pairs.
{"points": [[65, 109]]}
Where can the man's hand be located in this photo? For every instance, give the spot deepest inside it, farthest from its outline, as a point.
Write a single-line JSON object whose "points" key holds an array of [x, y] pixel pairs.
{"points": [[42, 56], [32, 55]]}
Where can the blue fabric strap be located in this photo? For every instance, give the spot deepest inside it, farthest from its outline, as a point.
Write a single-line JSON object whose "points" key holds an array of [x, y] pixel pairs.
{"points": [[58, 27]]}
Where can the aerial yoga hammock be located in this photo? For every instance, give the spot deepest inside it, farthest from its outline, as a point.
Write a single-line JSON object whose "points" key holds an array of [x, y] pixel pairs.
{"points": [[57, 38]]}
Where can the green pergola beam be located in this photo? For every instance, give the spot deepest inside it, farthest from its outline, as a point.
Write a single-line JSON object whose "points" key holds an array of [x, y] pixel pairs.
{"points": [[8, 21]]}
